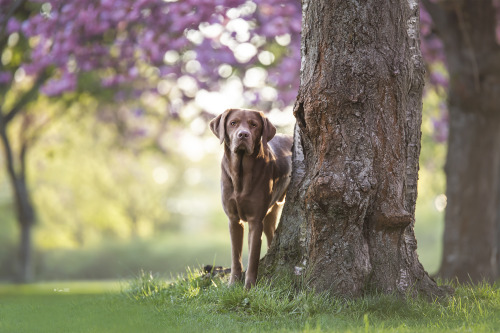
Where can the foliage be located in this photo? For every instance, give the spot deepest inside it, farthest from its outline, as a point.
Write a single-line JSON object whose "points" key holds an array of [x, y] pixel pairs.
{"points": [[179, 51], [168, 253], [169, 48]]}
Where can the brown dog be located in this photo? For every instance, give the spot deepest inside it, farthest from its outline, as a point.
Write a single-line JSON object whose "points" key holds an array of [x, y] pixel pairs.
{"points": [[255, 175]]}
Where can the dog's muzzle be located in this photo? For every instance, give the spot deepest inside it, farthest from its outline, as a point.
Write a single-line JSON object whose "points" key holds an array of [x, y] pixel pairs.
{"points": [[243, 142]]}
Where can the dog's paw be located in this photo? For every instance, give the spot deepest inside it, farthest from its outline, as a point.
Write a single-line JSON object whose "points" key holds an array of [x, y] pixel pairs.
{"points": [[235, 278]]}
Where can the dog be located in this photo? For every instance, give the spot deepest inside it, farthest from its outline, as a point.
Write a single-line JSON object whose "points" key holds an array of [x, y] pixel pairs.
{"points": [[256, 169]]}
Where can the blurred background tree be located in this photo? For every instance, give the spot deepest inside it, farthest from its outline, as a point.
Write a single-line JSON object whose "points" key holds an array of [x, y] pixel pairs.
{"points": [[111, 99], [470, 35]]}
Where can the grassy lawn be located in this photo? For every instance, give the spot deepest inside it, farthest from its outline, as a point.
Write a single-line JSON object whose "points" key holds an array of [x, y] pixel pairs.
{"points": [[199, 304], [73, 307]]}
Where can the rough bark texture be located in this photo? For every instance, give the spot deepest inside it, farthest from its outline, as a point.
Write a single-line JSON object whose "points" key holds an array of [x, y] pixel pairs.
{"points": [[347, 224], [472, 222]]}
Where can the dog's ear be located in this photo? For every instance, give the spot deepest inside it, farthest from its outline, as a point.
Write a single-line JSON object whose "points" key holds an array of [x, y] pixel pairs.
{"points": [[218, 125], [268, 129]]}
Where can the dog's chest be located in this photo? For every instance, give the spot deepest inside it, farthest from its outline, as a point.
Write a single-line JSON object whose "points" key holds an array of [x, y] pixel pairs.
{"points": [[247, 188], [249, 205]]}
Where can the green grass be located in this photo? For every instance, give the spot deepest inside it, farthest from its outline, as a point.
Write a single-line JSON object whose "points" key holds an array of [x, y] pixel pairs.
{"points": [[73, 307], [195, 303], [62, 287]]}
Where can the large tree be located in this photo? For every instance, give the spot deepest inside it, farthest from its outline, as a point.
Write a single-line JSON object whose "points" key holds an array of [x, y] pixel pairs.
{"points": [[347, 224], [472, 222]]}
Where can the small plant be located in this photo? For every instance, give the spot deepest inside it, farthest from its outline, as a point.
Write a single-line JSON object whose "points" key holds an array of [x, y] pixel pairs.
{"points": [[149, 287], [145, 286]]}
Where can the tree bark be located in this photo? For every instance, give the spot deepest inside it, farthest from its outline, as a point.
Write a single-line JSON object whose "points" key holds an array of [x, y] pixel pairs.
{"points": [[26, 273], [470, 243], [24, 208], [472, 220], [347, 224]]}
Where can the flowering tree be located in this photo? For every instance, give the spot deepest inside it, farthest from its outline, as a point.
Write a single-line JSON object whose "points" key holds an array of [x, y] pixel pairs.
{"points": [[171, 50]]}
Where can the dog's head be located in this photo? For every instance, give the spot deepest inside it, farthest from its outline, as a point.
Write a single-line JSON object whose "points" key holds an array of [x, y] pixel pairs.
{"points": [[243, 129]]}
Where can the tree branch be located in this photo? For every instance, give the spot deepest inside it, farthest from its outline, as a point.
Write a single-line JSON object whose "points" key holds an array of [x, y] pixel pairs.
{"points": [[3, 37], [12, 10], [26, 98], [9, 158]]}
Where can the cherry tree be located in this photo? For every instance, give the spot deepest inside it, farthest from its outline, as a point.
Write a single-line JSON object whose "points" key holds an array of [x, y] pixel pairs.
{"points": [[173, 51]]}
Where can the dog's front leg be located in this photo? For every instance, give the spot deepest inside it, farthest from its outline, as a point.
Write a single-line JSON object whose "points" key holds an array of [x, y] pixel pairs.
{"points": [[254, 244], [236, 229]]}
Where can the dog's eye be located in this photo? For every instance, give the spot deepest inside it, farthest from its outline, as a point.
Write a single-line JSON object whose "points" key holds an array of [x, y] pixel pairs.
{"points": [[233, 123], [253, 125]]}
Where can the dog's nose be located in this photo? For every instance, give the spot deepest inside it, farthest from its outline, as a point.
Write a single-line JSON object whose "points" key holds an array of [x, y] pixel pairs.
{"points": [[243, 134]]}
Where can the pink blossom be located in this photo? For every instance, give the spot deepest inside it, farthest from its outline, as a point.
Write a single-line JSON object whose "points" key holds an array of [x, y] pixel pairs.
{"points": [[438, 79], [5, 77], [13, 25], [56, 86]]}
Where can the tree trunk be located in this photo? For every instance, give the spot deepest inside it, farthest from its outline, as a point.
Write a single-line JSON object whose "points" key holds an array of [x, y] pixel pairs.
{"points": [[472, 230], [25, 254], [497, 221], [347, 224], [24, 208], [472, 167]]}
